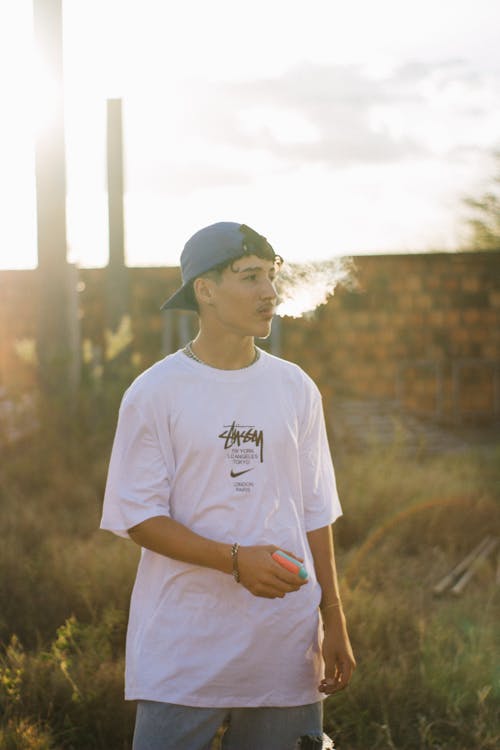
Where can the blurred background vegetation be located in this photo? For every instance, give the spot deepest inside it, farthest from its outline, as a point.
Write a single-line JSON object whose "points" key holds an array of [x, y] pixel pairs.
{"points": [[428, 674], [483, 224]]}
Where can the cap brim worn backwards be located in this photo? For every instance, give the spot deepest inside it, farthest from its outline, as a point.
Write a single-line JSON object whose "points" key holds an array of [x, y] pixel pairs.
{"points": [[179, 301]]}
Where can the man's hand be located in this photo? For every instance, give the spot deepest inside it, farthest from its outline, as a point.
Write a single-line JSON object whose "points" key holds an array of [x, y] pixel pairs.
{"points": [[337, 653], [259, 573], [263, 576]]}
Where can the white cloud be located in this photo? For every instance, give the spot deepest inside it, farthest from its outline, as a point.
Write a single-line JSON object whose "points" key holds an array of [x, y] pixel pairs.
{"points": [[341, 115]]}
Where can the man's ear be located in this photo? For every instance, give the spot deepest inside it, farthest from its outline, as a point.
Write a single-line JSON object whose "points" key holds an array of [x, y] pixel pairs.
{"points": [[203, 290]]}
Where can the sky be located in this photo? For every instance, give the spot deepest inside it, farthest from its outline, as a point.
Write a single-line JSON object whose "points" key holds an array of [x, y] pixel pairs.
{"points": [[331, 128]]}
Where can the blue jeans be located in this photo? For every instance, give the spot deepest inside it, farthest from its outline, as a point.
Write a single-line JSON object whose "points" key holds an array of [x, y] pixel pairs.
{"points": [[167, 726]]}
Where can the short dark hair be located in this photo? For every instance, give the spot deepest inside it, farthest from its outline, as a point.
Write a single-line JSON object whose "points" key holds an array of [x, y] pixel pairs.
{"points": [[261, 250]]}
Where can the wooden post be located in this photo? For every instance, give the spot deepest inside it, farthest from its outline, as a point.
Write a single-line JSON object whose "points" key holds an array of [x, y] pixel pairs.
{"points": [[116, 278], [58, 327], [275, 338], [184, 328], [167, 332]]}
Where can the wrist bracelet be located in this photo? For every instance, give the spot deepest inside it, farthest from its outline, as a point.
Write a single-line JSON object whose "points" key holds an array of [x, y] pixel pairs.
{"points": [[234, 557], [329, 606]]}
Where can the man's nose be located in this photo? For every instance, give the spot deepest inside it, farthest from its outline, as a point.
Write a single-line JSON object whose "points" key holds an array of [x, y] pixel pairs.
{"points": [[268, 290]]}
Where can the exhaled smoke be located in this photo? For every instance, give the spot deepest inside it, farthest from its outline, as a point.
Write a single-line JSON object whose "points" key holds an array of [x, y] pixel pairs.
{"points": [[302, 287]]}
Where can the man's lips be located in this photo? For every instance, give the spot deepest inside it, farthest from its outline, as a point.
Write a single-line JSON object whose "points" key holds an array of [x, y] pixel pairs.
{"points": [[267, 311]]}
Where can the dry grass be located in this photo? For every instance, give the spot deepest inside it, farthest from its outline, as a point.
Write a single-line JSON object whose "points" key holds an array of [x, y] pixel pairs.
{"points": [[427, 678]]}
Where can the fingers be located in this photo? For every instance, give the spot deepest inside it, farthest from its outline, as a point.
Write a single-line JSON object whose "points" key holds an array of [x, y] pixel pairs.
{"points": [[288, 576], [276, 584], [291, 580], [281, 581], [267, 592], [337, 681], [268, 588], [263, 576]]}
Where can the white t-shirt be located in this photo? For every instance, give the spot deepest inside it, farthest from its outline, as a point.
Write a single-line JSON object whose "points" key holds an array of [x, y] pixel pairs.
{"points": [[235, 455]]}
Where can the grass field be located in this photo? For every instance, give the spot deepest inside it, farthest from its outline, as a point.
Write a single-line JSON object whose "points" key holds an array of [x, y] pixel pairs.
{"points": [[428, 672]]}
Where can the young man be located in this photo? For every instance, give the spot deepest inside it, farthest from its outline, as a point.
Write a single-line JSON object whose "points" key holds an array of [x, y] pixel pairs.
{"points": [[220, 458]]}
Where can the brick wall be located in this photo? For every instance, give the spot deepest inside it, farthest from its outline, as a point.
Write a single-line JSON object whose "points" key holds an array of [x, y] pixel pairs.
{"points": [[423, 329]]}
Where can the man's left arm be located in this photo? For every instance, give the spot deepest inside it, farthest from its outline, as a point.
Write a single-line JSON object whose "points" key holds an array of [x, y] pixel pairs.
{"points": [[337, 650]]}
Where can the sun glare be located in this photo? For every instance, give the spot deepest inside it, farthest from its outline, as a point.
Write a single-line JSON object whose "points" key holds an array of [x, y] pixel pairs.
{"points": [[46, 96], [304, 131], [17, 190], [31, 95], [31, 98]]}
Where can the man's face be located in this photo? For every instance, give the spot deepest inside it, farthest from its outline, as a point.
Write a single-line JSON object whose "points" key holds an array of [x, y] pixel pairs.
{"points": [[244, 299]]}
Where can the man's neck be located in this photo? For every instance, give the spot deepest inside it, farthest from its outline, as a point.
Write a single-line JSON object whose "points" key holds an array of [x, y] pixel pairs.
{"points": [[225, 353]]}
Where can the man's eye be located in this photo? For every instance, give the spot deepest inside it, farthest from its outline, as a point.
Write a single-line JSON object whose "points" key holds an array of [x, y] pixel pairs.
{"points": [[251, 277]]}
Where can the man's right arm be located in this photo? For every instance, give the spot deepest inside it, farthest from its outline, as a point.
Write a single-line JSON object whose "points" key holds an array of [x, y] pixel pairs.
{"points": [[259, 573]]}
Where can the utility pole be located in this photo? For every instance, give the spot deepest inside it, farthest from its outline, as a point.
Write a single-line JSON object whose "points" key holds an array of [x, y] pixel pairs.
{"points": [[117, 282], [58, 330], [116, 276]]}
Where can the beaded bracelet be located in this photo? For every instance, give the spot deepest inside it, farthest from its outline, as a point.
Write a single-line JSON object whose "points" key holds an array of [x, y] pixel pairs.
{"points": [[234, 557]]}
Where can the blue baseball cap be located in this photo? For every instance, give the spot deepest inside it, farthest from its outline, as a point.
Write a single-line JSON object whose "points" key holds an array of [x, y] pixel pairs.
{"points": [[209, 247]]}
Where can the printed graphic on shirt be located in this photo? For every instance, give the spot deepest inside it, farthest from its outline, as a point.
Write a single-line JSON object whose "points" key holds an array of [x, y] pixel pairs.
{"points": [[244, 447], [239, 473]]}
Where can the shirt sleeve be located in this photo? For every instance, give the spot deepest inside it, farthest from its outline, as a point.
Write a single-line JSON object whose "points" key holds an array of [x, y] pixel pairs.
{"points": [[319, 488], [138, 483]]}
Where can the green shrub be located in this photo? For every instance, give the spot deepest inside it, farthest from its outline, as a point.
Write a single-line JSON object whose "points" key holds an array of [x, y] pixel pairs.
{"points": [[426, 677], [24, 735], [75, 687]]}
